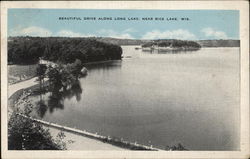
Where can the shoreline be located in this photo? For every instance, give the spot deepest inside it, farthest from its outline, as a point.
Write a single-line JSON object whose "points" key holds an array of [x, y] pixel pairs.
{"points": [[97, 142], [104, 139], [100, 62], [87, 63]]}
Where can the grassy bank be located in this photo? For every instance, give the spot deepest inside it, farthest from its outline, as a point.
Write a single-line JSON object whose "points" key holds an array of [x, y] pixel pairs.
{"points": [[18, 73]]}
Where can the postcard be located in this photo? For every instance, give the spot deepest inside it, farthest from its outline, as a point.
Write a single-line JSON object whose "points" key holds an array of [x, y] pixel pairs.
{"points": [[125, 79]]}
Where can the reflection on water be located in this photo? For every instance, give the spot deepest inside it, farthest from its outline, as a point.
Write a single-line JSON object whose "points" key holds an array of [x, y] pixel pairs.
{"points": [[163, 51], [156, 99], [55, 99], [104, 66], [41, 108]]}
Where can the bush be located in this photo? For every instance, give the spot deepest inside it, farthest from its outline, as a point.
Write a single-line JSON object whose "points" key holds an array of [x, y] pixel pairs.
{"points": [[25, 134]]}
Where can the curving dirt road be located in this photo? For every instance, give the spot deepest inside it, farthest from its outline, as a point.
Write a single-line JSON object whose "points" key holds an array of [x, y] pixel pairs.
{"points": [[21, 85]]}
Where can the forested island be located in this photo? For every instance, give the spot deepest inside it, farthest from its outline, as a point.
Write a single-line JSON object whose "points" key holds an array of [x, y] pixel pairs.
{"points": [[28, 50], [171, 44]]}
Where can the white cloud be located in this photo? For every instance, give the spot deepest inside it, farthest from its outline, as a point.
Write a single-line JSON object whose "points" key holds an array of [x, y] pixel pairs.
{"points": [[114, 34], [130, 30], [69, 33], [210, 32], [42, 32], [31, 31], [174, 34]]}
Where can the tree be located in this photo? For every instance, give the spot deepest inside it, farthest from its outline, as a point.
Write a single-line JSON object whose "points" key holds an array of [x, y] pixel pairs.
{"points": [[25, 134], [40, 72], [75, 68], [55, 78]]}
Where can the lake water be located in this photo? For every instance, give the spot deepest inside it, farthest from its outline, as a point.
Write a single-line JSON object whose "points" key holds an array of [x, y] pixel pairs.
{"points": [[155, 99]]}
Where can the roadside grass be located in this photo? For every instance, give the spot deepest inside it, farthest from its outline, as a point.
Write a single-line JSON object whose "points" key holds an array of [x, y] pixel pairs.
{"points": [[18, 73]]}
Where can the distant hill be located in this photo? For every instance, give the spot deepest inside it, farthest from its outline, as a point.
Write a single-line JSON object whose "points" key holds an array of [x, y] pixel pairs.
{"points": [[122, 41], [203, 43], [219, 43]]}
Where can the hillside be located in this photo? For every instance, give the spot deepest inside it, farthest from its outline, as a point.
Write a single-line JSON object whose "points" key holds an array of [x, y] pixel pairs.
{"points": [[219, 43], [203, 43], [122, 41], [26, 50]]}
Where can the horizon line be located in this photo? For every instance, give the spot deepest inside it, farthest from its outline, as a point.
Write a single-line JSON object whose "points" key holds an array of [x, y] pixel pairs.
{"points": [[20, 36]]}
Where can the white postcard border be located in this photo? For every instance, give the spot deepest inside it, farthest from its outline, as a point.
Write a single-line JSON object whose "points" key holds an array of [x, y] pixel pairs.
{"points": [[242, 6]]}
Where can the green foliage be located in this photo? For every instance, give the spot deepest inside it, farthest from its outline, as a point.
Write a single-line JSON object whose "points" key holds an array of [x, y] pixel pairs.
{"points": [[55, 77], [40, 72], [63, 76], [25, 134], [74, 68], [23, 50], [17, 73], [173, 43]]}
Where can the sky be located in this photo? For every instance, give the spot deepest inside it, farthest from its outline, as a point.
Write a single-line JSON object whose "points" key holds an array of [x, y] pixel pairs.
{"points": [[196, 25]]}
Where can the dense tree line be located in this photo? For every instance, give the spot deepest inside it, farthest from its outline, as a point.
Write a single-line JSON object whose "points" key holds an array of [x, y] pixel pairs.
{"points": [[173, 43], [24, 50]]}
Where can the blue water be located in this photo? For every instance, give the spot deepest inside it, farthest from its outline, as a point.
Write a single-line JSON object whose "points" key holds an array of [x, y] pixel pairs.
{"points": [[156, 99]]}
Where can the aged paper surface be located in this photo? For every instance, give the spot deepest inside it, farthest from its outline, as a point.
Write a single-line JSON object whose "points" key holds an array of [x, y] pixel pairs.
{"points": [[238, 9]]}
